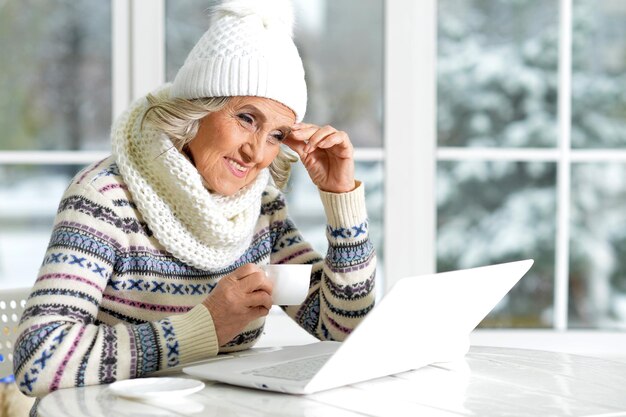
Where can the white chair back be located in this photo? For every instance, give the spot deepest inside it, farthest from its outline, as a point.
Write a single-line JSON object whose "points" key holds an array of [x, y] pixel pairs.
{"points": [[12, 304]]}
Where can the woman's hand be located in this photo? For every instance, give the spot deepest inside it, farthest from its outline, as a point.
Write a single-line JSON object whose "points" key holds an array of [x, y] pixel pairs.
{"points": [[239, 298], [327, 154]]}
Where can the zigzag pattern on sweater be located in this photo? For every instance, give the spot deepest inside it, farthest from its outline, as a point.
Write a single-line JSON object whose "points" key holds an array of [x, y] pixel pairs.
{"points": [[346, 269], [271, 207], [133, 352], [316, 277], [89, 230], [84, 205], [107, 371], [56, 309], [245, 338], [66, 292], [71, 237], [120, 316], [122, 202], [258, 250], [82, 368], [139, 262], [148, 353], [346, 313], [351, 291], [350, 254], [309, 313]]}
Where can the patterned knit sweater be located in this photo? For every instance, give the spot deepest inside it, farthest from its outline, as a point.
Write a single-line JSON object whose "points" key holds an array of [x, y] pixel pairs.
{"points": [[111, 303]]}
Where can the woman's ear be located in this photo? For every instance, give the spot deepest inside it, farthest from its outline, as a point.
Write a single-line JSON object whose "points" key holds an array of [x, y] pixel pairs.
{"points": [[187, 152]]}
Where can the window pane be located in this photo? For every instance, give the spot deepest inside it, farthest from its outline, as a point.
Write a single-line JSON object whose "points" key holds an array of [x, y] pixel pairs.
{"points": [[29, 197], [344, 76], [55, 74], [185, 22], [597, 291], [492, 212], [599, 74], [341, 43], [497, 73], [307, 211]]}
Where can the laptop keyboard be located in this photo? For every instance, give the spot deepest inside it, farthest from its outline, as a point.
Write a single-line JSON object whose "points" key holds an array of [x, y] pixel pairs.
{"points": [[298, 370]]}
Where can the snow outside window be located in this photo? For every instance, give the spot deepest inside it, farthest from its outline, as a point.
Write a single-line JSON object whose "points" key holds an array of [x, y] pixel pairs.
{"points": [[531, 121]]}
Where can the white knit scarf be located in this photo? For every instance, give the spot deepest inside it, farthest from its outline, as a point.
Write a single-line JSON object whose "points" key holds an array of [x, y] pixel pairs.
{"points": [[203, 230]]}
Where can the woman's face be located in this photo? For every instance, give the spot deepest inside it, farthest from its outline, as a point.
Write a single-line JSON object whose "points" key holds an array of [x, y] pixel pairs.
{"points": [[234, 144]]}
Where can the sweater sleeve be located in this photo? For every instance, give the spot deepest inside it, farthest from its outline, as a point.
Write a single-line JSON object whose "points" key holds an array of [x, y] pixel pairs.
{"points": [[341, 290], [61, 342]]}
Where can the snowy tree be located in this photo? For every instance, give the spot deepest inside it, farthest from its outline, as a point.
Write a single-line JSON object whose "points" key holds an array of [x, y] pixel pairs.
{"points": [[497, 87]]}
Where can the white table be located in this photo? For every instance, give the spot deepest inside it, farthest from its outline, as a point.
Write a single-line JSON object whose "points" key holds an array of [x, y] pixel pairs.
{"points": [[489, 382]]}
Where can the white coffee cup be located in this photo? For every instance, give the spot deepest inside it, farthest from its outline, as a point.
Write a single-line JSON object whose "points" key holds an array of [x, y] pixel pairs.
{"points": [[290, 282]]}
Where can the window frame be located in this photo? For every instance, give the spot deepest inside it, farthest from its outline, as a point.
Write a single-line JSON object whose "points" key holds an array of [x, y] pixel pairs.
{"points": [[417, 22], [410, 152], [410, 138]]}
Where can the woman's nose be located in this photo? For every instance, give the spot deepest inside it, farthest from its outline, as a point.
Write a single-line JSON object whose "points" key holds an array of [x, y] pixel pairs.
{"points": [[254, 149]]}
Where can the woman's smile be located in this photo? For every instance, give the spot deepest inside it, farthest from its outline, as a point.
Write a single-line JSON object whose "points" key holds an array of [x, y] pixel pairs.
{"points": [[236, 168]]}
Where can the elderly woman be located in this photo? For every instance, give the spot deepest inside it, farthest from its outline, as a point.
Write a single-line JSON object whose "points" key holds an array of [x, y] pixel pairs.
{"points": [[156, 253]]}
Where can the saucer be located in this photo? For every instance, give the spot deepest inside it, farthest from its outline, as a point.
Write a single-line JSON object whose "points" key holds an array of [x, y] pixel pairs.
{"points": [[156, 388]]}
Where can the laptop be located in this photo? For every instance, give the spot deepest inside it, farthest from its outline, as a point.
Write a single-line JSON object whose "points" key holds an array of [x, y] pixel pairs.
{"points": [[421, 320]]}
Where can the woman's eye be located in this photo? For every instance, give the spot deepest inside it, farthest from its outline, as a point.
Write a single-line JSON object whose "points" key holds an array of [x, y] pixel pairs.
{"points": [[276, 137], [245, 117]]}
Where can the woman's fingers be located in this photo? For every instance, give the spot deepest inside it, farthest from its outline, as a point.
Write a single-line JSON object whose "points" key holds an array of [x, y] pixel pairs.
{"points": [[251, 278], [245, 270], [319, 135], [256, 312], [295, 145], [305, 138], [259, 299], [259, 283], [311, 136], [239, 298], [327, 154], [303, 126], [331, 140], [298, 138]]}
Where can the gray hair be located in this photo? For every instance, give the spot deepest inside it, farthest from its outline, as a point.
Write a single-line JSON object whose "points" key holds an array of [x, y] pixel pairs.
{"points": [[180, 119]]}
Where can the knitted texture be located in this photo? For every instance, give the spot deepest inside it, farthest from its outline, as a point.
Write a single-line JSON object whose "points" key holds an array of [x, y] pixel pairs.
{"points": [[201, 229], [111, 302], [247, 51]]}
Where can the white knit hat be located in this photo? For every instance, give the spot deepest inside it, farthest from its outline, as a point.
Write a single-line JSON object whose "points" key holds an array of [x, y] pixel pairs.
{"points": [[248, 50]]}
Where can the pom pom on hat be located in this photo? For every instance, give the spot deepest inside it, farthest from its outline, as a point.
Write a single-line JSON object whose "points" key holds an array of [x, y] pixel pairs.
{"points": [[248, 50], [275, 14]]}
